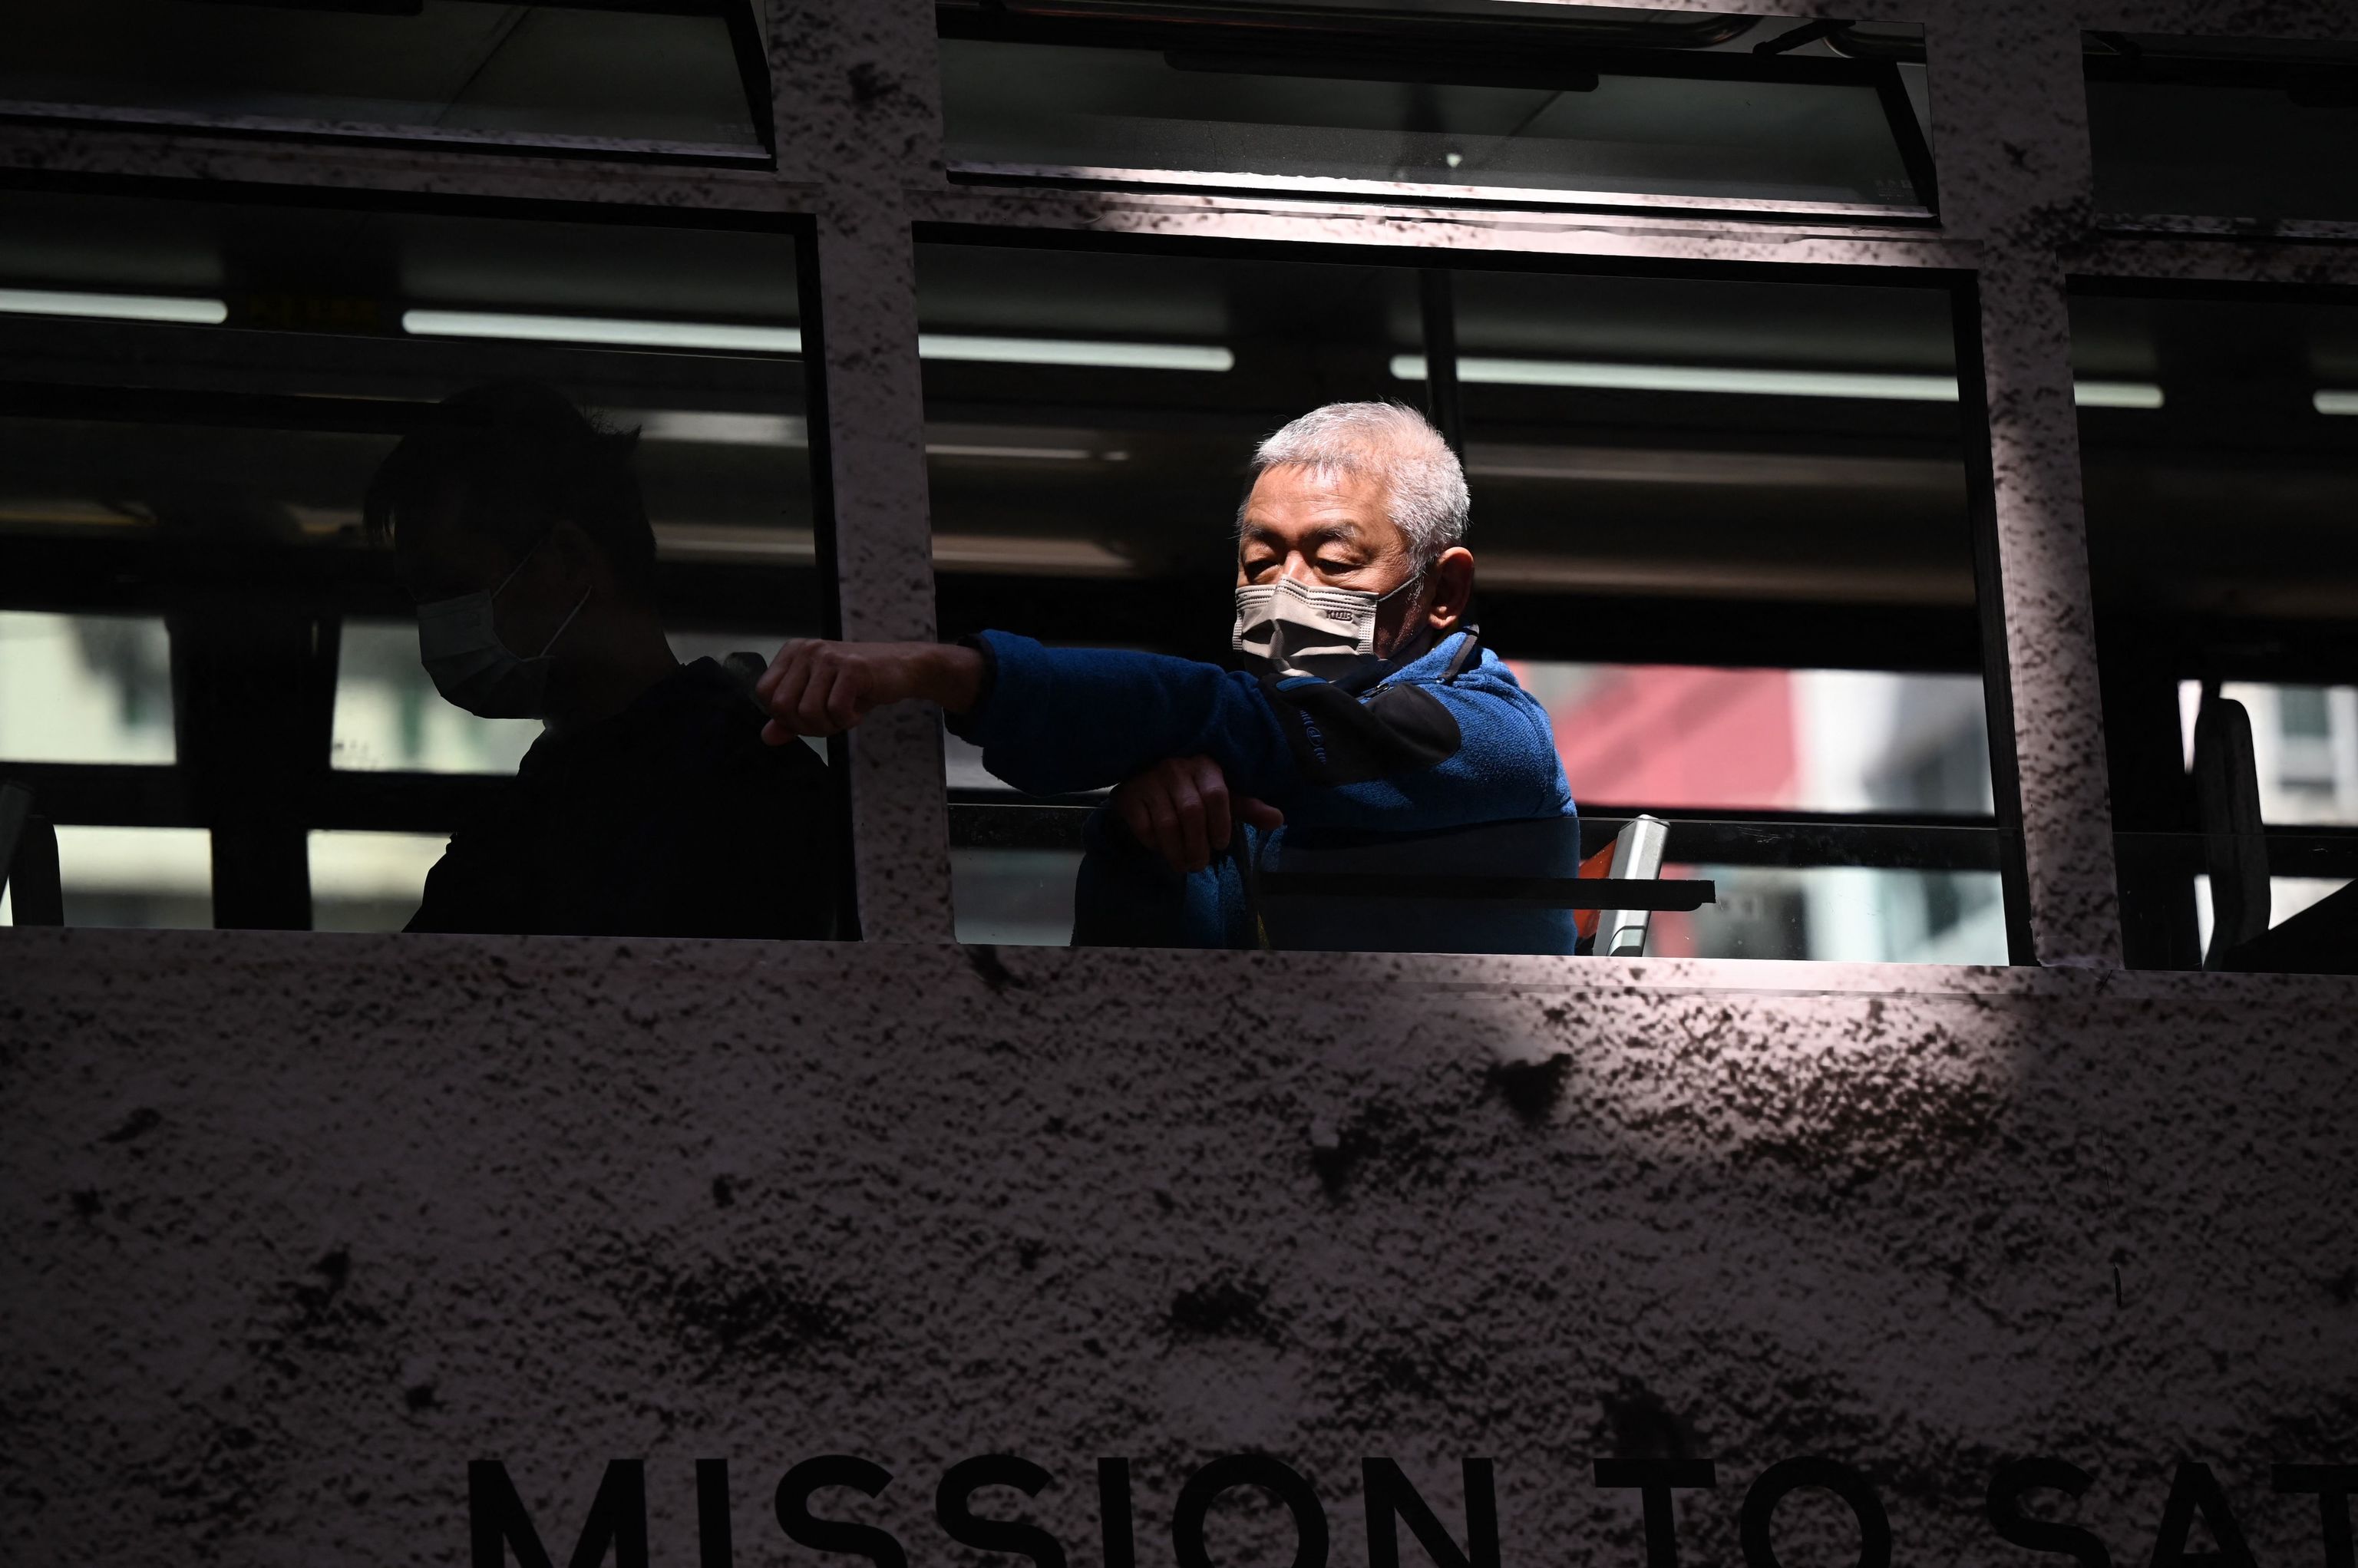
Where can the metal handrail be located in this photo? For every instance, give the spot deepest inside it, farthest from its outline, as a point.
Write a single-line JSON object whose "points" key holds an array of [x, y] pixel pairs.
{"points": [[984, 820]]}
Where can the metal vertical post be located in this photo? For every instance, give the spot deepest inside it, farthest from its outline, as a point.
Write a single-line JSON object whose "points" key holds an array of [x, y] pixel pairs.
{"points": [[855, 105], [2010, 117]]}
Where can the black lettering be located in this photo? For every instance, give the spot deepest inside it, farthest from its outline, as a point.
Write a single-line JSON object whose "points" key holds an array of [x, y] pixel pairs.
{"points": [[2195, 1490], [496, 1519], [716, 1544], [959, 1484], [1654, 1481], [1790, 1475], [1114, 1514], [2017, 1528], [804, 1528], [2332, 1485], [1204, 1487], [1391, 1498]]}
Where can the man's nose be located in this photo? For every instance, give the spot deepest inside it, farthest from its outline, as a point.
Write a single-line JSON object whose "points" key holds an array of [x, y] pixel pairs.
{"points": [[1297, 567]]}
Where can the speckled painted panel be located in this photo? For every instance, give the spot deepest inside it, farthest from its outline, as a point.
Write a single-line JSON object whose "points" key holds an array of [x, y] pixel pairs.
{"points": [[295, 1227], [856, 115]]}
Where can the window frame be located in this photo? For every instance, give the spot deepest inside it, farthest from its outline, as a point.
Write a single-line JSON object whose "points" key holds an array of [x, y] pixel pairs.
{"points": [[73, 576], [2150, 861], [1891, 840]]}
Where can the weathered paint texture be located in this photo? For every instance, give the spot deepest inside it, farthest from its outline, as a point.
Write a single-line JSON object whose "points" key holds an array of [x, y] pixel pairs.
{"points": [[296, 1226]]}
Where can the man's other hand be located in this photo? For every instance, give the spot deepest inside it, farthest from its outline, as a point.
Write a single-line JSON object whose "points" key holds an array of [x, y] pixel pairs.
{"points": [[818, 687], [1180, 810]]}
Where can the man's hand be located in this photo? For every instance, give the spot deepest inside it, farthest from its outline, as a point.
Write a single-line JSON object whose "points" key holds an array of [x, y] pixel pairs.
{"points": [[1180, 809], [815, 688]]}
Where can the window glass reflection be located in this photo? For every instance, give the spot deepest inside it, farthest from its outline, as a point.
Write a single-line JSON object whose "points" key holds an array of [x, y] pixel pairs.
{"points": [[2225, 576], [2222, 127], [390, 718], [1696, 739], [141, 878], [1566, 103], [450, 69], [368, 881], [200, 631], [2304, 746], [84, 688], [1840, 913]]}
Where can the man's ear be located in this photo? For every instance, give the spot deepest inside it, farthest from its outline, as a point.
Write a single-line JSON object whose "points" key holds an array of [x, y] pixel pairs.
{"points": [[1452, 587], [574, 556]]}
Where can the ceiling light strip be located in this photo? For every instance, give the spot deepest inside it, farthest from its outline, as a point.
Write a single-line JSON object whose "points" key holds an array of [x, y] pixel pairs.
{"points": [[607, 331], [988, 350], [1100, 355], [114, 307], [1733, 381]]}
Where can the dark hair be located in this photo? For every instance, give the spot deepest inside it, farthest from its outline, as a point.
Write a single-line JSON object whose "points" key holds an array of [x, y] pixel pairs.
{"points": [[517, 460]]}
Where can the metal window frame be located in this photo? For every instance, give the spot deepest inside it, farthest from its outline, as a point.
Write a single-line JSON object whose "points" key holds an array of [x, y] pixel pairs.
{"points": [[740, 17], [1375, 37], [855, 103]]}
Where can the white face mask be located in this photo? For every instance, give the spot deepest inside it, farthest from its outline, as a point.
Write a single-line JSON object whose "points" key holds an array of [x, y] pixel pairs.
{"points": [[1302, 629], [459, 644]]}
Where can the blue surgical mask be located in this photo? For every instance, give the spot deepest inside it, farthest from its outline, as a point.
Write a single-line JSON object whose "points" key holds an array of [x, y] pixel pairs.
{"points": [[459, 644]]}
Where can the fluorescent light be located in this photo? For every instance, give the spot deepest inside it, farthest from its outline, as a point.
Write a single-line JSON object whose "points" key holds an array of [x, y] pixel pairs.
{"points": [[724, 429], [2116, 395], [1732, 381], [114, 307], [1688, 468], [1608, 377], [1005, 553], [608, 330], [2336, 402], [1028, 454], [1075, 352], [638, 334]]}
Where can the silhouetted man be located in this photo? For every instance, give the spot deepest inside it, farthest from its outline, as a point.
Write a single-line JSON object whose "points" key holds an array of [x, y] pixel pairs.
{"points": [[649, 805]]}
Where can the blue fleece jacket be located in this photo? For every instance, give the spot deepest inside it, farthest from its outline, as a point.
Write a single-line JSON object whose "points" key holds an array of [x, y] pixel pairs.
{"points": [[1442, 737]]}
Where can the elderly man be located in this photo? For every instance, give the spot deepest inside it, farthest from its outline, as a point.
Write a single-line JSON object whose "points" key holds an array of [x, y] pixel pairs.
{"points": [[1369, 703]]}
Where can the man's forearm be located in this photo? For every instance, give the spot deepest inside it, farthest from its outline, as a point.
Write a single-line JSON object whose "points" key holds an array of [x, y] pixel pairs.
{"points": [[949, 675], [1055, 720], [818, 688]]}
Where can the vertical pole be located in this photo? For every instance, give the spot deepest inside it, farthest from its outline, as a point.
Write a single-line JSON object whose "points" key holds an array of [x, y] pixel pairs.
{"points": [[1989, 601], [855, 104], [2009, 109]]}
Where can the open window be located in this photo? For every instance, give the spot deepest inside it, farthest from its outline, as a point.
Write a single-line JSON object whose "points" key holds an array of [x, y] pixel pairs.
{"points": [[2225, 569], [1726, 532], [1464, 99], [678, 79], [195, 637], [2194, 129]]}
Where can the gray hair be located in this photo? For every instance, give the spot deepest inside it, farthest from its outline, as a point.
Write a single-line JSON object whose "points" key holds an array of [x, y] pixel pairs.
{"points": [[1424, 487]]}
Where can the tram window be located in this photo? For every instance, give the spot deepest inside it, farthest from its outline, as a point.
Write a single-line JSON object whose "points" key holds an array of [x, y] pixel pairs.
{"points": [[1721, 532], [84, 688], [2222, 128], [650, 79], [2226, 651], [197, 632], [148, 878], [1502, 102]]}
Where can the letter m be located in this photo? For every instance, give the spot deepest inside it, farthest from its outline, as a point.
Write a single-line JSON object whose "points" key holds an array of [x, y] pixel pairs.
{"points": [[496, 1520]]}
